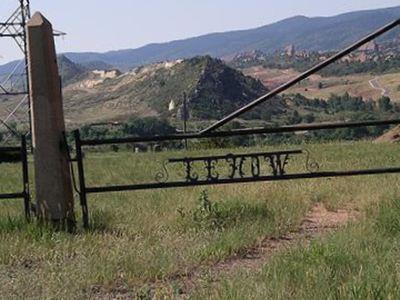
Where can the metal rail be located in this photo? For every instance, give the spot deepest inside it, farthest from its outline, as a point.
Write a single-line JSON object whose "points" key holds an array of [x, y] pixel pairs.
{"points": [[81, 175], [12, 196], [240, 132], [138, 187], [10, 149], [302, 76], [25, 194]]}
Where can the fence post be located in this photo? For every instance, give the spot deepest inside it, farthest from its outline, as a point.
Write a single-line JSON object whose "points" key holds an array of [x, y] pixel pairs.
{"points": [[81, 175], [55, 202], [25, 177]]}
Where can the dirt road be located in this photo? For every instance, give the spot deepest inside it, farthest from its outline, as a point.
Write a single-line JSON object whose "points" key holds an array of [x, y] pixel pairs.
{"points": [[375, 84]]}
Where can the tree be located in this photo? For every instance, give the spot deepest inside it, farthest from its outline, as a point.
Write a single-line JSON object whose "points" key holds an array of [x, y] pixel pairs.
{"points": [[147, 126], [384, 104], [309, 118], [295, 118]]}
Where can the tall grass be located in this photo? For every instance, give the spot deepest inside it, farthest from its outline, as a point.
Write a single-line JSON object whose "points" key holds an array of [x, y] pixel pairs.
{"points": [[359, 262], [141, 237]]}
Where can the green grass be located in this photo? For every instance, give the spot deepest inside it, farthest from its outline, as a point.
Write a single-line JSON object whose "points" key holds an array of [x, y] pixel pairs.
{"points": [[142, 237], [359, 262]]}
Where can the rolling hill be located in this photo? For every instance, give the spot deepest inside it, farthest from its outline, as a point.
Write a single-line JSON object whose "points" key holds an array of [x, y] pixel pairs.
{"points": [[213, 90]]}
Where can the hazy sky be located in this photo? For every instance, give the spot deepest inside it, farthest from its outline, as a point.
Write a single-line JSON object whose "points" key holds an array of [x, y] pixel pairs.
{"points": [[102, 25]]}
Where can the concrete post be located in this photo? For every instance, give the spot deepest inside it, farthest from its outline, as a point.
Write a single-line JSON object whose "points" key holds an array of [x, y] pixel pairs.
{"points": [[55, 202]]}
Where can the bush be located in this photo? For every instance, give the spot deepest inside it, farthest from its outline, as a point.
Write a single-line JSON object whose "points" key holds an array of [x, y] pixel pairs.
{"points": [[384, 104], [147, 126], [206, 215]]}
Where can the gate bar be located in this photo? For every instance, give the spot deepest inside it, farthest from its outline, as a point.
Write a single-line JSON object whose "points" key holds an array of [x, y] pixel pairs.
{"points": [[10, 149], [25, 178], [12, 196], [328, 174], [25, 194], [247, 131], [302, 76], [81, 175]]}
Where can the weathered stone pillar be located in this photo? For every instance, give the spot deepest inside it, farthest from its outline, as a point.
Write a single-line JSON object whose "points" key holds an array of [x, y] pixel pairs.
{"points": [[55, 202]]}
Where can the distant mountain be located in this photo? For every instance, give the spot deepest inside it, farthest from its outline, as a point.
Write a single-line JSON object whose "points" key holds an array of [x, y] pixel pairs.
{"points": [[97, 65], [69, 70], [311, 34]]}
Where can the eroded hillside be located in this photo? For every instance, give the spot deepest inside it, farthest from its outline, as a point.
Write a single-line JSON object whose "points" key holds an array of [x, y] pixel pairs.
{"points": [[213, 90]]}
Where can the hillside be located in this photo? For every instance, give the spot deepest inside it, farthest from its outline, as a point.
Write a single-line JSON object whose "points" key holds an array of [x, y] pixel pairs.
{"points": [[373, 57], [317, 86], [391, 136], [69, 71], [213, 90]]}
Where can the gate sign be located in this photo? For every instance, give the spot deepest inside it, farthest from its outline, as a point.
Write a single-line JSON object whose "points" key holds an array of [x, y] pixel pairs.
{"points": [[256, 163]]}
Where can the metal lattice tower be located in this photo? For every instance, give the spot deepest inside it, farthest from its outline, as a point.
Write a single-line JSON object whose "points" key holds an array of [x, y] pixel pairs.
{"points": [[16, 83]]}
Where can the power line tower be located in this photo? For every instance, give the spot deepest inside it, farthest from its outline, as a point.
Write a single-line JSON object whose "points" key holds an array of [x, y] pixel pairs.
{"points": [[15, 84]]}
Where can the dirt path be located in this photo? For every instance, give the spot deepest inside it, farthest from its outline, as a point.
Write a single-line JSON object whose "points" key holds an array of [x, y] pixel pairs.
{"points": [[375, 84], [318, 222]]}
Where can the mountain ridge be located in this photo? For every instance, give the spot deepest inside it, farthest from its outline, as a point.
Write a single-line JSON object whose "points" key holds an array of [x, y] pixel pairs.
{"points": [[306, 33], [299, 30]]}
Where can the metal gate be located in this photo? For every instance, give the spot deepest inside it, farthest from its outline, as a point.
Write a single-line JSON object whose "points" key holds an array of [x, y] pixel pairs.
{"points": [[18, 155], [262, 166]]}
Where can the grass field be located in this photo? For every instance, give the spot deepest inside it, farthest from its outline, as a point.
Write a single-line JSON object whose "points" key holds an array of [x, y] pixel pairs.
{"points": [[144, 239]]}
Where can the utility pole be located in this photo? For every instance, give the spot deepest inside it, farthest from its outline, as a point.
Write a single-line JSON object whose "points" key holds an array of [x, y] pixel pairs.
{"points": [[185, 117]]}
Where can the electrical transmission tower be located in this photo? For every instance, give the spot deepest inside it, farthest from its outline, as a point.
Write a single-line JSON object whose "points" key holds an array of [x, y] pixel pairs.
{"points": [[15, 84]]}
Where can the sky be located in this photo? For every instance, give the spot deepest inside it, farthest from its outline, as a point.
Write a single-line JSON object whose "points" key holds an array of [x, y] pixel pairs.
{"points": [[103, 25]]}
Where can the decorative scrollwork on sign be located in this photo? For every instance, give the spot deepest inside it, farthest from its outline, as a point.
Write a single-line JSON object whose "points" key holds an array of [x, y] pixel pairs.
{"points": [[163, 175], [312, 165]]}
